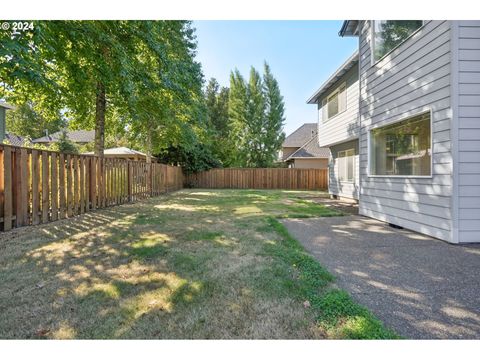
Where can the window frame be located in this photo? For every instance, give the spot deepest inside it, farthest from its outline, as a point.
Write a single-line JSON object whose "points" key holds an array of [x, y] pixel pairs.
{"points": [[352, 150], [374, 62], [325, 102], [383, 124]]}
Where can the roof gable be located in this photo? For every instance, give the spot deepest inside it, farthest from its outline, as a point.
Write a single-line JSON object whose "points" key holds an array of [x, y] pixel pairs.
{"points": [[300, 136], [310, 149]]}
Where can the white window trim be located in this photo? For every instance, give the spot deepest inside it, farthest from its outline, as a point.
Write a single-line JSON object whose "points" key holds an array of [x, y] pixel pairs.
{"points": [[336, 91], [374, 62], [403, 118], [353, 164]]}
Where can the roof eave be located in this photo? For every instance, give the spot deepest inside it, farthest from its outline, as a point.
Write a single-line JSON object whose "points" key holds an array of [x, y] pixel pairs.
{"points": [[336, 76], [349, 28], [307, 157]]}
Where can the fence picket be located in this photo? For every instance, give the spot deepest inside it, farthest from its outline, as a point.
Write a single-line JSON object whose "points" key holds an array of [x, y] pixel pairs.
{"points": [[35, 187], [82, 185], [54, 186], [8, 191], [45, 187], [268, 178], [41, 186], [68, 168], [62, 213], [2, 183]]}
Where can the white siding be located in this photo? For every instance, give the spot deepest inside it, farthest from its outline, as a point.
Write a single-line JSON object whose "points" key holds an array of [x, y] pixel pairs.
{"points": [[343, 126], [343, 188], [469, 131], [414, 77]]}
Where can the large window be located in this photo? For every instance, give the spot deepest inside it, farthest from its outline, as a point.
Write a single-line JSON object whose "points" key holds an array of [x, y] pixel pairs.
{"points": [[335, 103], [346, 165], [403, 148], [388, 34]]}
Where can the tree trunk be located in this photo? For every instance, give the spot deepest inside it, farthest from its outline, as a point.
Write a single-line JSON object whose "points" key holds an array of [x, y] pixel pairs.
{"points": [[100, 107]]}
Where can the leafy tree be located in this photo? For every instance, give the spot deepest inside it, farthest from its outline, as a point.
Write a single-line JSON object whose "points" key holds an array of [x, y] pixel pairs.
{"points": [[32, 121], [238, 114], [193, 157], [255, 122], [65, 145], [216, 99], [256, 112], [128, 77], [167, 98], [274, 117], [218, 121]]}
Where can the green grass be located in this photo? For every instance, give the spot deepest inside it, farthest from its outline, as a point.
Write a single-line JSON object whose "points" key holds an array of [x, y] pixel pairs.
{"points": [[336, 312], [193, 264]]}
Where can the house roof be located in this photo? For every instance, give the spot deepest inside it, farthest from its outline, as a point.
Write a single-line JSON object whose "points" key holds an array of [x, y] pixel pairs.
{"points": [[77, 136], [347, 65], [310, 149], [119, 151], [349, 28], [300, 136], [16, 140], [6, 106]]}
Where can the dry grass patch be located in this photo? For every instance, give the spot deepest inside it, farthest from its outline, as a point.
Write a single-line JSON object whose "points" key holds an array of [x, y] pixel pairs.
{"points": [[194, 264]]}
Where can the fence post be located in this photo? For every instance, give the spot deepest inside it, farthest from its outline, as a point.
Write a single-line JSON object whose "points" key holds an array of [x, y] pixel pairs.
{"points": [[129, 180], [54, 185], [149, 179], [2, 186], [61, 187], [93, 183], [7, 184], [166, 179]]}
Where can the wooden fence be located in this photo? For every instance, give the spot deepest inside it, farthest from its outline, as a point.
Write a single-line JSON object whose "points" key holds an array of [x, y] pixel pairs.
{"points": [[39, 186], [276, 178]]}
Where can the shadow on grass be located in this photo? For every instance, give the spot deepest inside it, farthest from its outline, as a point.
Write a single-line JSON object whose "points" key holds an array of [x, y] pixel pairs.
{"points": [[130, 271], [107, 274]]}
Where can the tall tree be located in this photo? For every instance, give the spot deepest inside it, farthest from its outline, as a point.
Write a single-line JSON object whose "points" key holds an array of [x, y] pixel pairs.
{"points": [[274, 117], [256, 112], [255, 121], [238, 114], [216, 101], [135, 77]]}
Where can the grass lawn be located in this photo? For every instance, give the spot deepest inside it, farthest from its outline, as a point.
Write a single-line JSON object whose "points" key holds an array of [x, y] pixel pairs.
{"points": [[193, 264]]}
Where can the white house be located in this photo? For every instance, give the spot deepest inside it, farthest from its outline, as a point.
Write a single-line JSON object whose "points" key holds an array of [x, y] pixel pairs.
{"points": [[418, 125]]}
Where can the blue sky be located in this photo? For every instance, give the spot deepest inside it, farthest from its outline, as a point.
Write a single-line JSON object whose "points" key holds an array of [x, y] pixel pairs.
{"points": [[301, 54]]}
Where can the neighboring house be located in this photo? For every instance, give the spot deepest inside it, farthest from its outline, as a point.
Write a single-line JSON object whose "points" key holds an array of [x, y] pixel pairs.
{"points": [[123, 153], [3, 110], [17, 140], [77, 136], [11, 139], [419, 125], [337, 103], [301, 150]]}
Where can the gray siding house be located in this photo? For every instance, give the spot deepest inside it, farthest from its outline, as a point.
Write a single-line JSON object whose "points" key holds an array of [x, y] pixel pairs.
{"points": [[419, 125], [338, 127]]}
